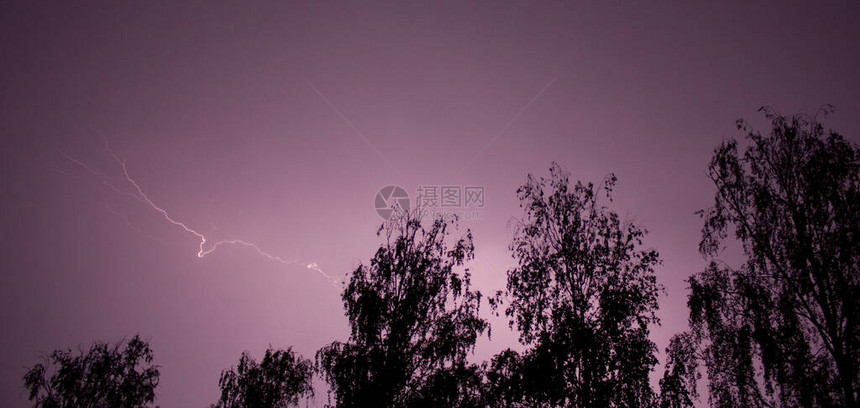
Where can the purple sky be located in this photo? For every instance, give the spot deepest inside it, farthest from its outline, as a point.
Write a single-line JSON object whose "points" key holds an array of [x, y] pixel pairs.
{"points": [[277, 124]]}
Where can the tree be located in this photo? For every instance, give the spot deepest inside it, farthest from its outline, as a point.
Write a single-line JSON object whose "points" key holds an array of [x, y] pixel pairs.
{"points": [[413, 319], [118, 376], [782, 328], [681, 375], [280, 380], [582, 296]]}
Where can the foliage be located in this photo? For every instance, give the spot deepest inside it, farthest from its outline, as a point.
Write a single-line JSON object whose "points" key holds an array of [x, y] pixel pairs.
{"points": [[279, 380], [782, 329], [681, 375], [582, 296], [413, 318], [119, 376]]}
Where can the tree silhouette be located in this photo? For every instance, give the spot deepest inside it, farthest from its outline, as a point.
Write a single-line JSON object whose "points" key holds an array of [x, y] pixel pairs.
{"points": [[582, 296], [413, 319], [280, 380], [118, 376], [678, 385], [782, 329]]}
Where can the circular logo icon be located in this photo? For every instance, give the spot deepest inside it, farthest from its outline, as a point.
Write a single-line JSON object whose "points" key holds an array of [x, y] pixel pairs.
{"points": [[391, 202]]}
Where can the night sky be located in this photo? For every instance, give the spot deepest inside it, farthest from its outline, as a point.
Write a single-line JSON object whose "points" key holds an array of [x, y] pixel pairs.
{"points": [[277, 123]]}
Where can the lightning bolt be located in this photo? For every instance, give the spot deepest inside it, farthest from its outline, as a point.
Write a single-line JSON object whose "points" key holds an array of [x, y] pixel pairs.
{"points": [[137, 192]]}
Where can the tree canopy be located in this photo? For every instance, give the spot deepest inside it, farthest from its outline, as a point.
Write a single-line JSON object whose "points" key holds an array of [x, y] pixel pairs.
{"points": [[281, 379], [414, 319], [120, 375], [782, 328], [583, 297]]}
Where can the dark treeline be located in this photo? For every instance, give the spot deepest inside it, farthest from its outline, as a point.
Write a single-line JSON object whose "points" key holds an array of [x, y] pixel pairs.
{"points": [[780, 330]]}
